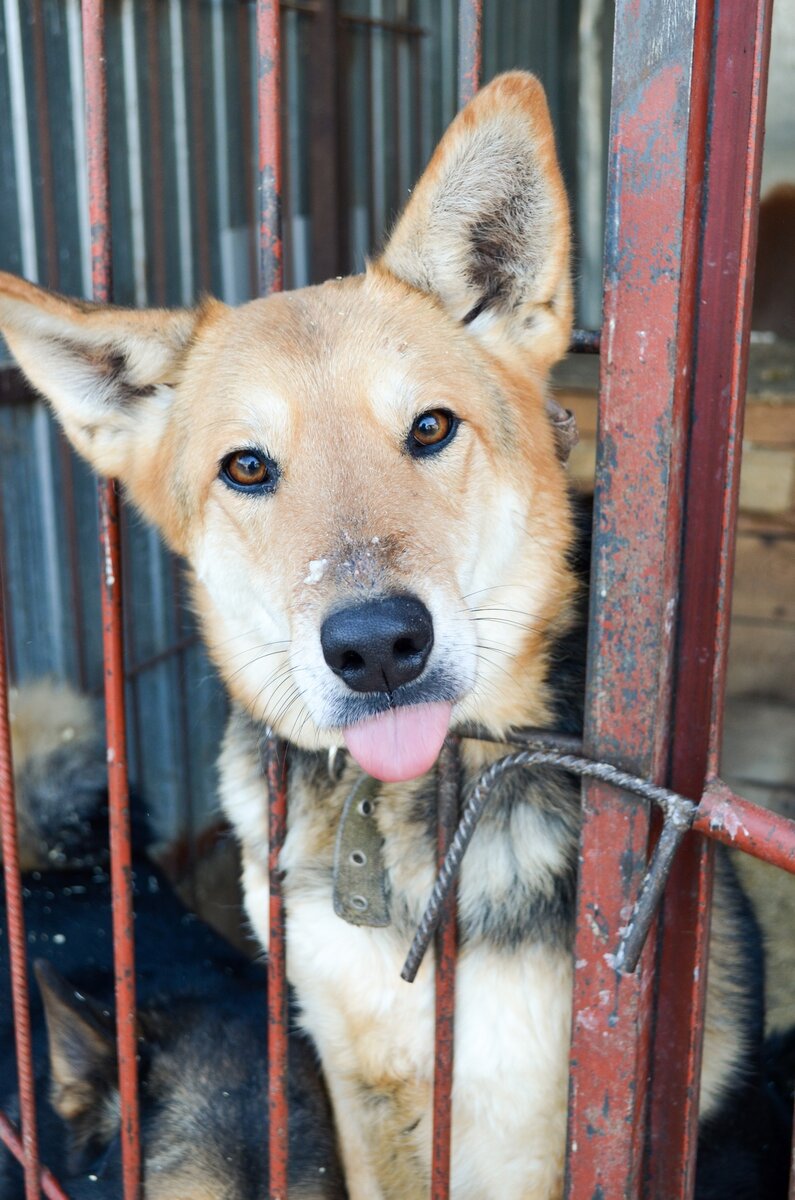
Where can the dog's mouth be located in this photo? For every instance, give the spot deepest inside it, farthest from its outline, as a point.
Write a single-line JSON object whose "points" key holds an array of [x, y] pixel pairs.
{"points": [[401, 743]]}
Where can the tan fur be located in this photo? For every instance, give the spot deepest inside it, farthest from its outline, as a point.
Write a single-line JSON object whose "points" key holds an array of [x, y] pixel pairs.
{"points": [[466, 310]]}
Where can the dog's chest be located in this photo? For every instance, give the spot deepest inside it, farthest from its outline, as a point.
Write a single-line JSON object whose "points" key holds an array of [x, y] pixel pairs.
{"points": [[513, 985]]}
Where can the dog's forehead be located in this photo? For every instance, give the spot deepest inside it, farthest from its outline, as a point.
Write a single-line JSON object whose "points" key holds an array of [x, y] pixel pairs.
{"points": [[340, 339]]}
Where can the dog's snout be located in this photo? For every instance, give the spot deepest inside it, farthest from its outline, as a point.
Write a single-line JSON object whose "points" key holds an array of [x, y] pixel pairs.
{"points": [[378, 645]]}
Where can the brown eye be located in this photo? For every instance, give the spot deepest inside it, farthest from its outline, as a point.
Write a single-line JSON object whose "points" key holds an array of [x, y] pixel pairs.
{"points": [[249, 471], [431, 431]]}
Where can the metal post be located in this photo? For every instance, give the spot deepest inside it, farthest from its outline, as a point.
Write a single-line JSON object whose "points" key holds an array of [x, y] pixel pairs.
{"points": [[112, 636], [470, 49], [276, 772], [270, 146], [17, 942], [733, 165], [271, 280], [449, 786], [658, 115]]}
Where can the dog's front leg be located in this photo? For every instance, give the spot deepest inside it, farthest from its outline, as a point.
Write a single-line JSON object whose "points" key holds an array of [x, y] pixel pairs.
{"points": [[359, 1173]]}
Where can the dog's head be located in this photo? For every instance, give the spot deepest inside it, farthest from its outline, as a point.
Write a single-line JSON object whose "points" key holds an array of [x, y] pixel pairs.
{"points": [[363, 476], [203, 1099]]}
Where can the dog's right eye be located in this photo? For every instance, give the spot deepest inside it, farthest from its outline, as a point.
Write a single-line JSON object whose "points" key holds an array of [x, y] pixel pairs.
{"points": [[249, 471]]}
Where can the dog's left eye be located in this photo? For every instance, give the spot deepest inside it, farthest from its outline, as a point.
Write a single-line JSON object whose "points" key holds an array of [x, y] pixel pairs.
{"points": [[249, 471], [431, 431]]}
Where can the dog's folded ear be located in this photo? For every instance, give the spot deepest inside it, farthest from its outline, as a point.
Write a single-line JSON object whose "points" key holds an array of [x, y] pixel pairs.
{"points": [[486, 230], [106, 371], [82, 1046]]}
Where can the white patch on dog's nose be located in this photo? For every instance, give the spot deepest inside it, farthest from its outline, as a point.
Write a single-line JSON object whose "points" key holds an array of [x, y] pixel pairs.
{"points": [[317, 569]]}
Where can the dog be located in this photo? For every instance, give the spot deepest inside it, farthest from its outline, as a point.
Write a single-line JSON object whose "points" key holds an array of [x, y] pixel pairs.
{"points": [[365, 480], [202, 1015]]}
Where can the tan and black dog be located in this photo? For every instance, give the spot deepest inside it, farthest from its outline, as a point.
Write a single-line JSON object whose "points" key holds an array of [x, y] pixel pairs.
{"points": [[364, 480]]}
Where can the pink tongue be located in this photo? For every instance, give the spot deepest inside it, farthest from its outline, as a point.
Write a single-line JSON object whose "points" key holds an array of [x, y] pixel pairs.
{"points": [[400, 744]]}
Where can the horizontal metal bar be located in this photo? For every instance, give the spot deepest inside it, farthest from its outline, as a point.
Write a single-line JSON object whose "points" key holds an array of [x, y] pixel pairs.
{"points": [[400, 27], [585, 341], [736, 822], [154, 660]]}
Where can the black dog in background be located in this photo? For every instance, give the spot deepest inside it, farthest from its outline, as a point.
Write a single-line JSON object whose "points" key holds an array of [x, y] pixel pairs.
{"points": [[202, 1006]]}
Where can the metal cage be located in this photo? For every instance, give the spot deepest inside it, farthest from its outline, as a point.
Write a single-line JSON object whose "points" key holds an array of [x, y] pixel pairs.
{"points": [[688, 97]]}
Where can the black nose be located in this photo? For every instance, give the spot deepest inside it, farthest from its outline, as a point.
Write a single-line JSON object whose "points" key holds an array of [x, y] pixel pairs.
{"points": [[378, 645]]}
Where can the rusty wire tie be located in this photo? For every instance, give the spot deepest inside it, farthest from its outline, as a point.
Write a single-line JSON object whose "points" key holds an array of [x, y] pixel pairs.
{"points": [[544, 749]]}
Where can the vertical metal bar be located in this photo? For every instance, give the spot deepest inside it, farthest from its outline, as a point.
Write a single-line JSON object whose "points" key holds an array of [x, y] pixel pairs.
{"points": [[45, 144], [17, 943], [199, 143], [155, 153], [120, 851], [446, 949], [733, 157], [270, 145], [650, 277], [276, 771], [246, 127], [470, 49], [324, 156], [271, 278], [49, 1184]]}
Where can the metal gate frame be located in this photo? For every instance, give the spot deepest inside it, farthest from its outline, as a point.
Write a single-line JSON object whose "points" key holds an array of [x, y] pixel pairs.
{"points": [[688, 99]]}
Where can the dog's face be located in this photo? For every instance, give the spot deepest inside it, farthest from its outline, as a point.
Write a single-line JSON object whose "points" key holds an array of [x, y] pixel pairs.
{"points": [[362, 476]]}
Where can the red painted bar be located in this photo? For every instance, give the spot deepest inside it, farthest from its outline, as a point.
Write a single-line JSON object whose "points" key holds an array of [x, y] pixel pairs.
{"points": [[271, 279], [276, 767], [17, 943], [271, 276], [449, 784], [470, 49], [650, 276], [733, 157], [47, 1181], [112, 637], [728, 818]]}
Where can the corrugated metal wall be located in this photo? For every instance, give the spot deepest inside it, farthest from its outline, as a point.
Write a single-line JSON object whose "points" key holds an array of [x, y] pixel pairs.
{"points": [[369, 87]]}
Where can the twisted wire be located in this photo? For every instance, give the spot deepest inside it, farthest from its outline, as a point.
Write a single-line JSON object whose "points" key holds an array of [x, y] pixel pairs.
{"points": [[678, 811]]}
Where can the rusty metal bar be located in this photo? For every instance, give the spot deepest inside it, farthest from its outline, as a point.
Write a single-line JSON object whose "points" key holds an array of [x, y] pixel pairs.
{"points": [[112, 637], [271, 279], [650, 276], [728, 818], [275, 766], [47, 1181], [733, 157], [449, 785], [271, 267], [17, 943], [470, 49]]}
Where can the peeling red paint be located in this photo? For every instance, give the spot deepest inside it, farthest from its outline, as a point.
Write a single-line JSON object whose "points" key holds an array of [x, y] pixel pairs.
{"points": [[650, 271]]}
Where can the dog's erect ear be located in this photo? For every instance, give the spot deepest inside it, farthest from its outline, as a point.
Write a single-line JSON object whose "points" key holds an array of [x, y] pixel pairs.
{"points": [[486, 230], [106, 371], [82, 1049]]}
